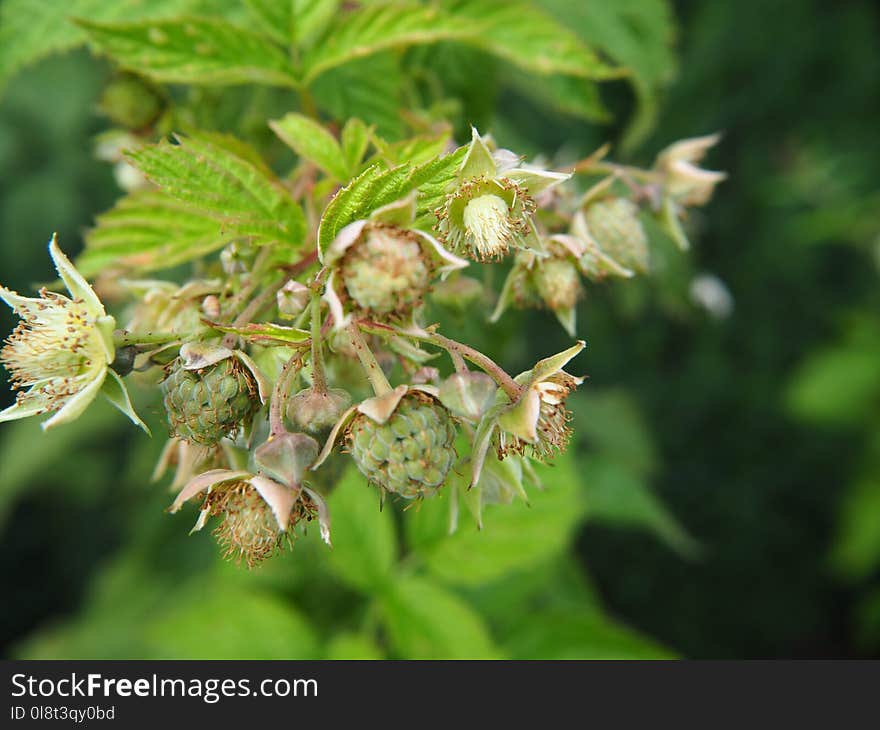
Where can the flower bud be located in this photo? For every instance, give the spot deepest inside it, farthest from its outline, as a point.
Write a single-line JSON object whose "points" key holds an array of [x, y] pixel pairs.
{"points": [[613, 223], [292, 298], [211, 306], [316, 410], [558, 283], [468, 395], [286, 457], [686, 182]]}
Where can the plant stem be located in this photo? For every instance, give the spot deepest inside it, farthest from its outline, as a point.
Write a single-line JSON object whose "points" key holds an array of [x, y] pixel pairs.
{"points": [[377, 378], [456, 349], [307, 102], [276, 407], [256, 305], [122, 338], [458, 361], [319, 382], [485, 363]]}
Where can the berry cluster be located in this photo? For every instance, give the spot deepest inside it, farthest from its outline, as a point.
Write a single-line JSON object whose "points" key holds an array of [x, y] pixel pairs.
{"points": [[276, 363]]}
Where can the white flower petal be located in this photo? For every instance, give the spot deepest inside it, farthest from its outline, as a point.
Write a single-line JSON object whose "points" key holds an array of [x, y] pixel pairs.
{"points": [[17, 410], [77, 286], [74, 407]]}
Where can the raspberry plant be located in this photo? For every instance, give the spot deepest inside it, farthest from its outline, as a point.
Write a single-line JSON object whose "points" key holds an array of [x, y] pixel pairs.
{"points": [[284, 315]]}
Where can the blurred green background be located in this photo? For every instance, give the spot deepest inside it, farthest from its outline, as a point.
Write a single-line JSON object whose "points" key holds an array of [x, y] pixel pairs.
{"points": [[723, 495]]}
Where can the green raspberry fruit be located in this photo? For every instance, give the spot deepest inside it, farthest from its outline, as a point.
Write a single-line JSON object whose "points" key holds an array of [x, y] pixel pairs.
{"points": [[205, 405], [385, 271], [412, 452], [558, 283], [614, 224], [249, 530]]}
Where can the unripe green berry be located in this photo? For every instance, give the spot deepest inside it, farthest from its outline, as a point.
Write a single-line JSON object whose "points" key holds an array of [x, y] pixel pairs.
{"points": [[412, 452], [385, 271], [249, 530], [614, 224], [206, 405], [558, 283]]}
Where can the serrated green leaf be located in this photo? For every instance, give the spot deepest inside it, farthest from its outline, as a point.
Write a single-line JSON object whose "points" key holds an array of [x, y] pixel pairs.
{"points": [[377, 186], [415, 150], [148, 231], [275, 18], [31, 30], [433, 191], [364, 542], [425, 621], [221, 177], [514, 536], [526, 37], [355, 139], [311, 18], [193, 50], [370, 190], [263, 332], [312, 142], [375, 28]]}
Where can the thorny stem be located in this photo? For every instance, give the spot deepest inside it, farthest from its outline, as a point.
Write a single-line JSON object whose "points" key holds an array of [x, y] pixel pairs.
{"points": [[276, 408], [590, 164], [377, 378], [319, 382], [256, 305], [122, 338], [458, 361], [458, 350], [489, 366], [264, 298], [252, 281], [295, 269]]}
